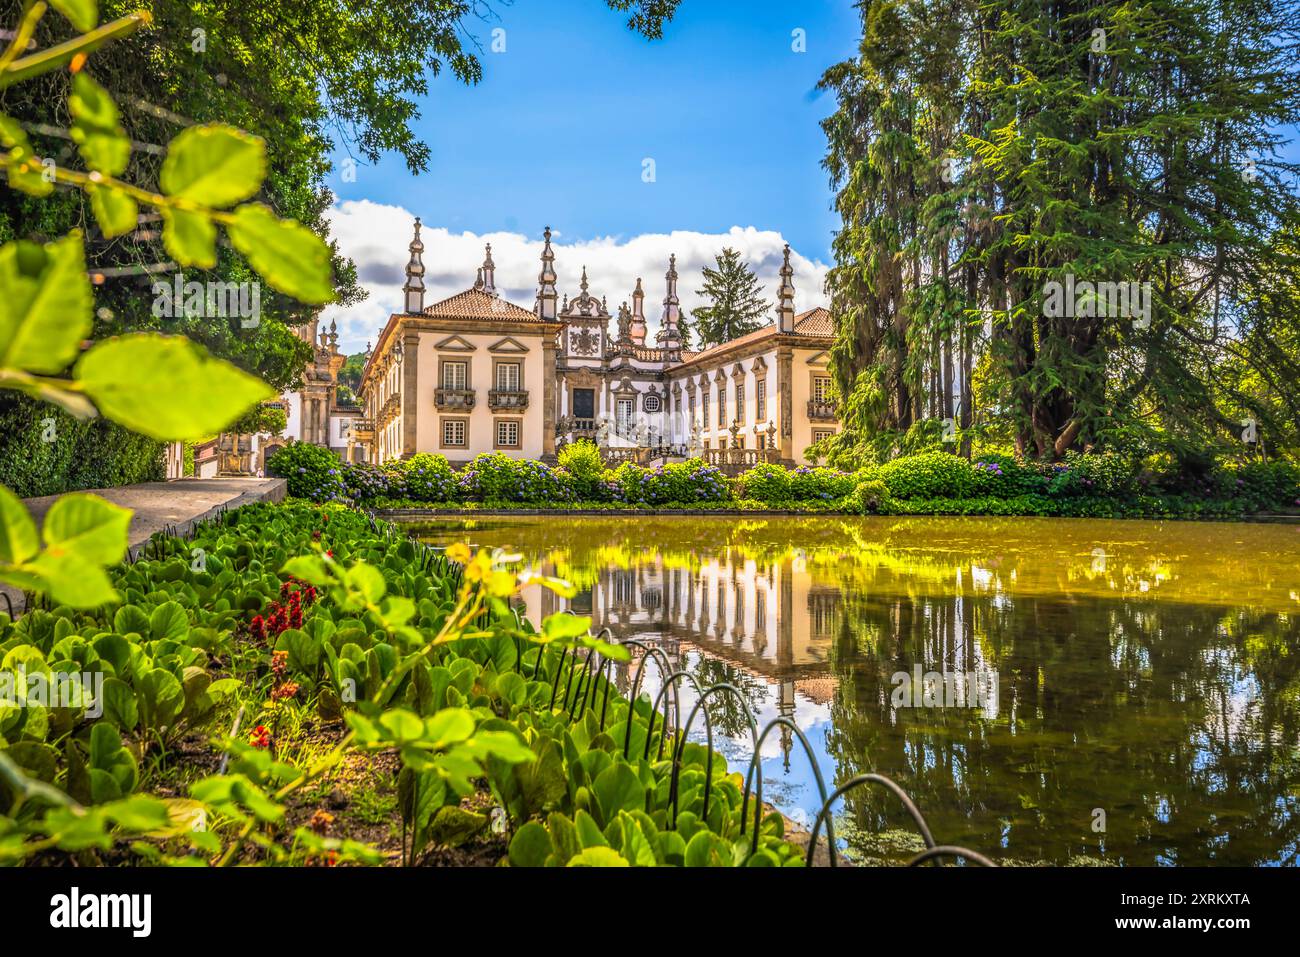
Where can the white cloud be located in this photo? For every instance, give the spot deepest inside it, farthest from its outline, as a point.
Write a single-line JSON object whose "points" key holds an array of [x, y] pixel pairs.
{"points": [[376, 236]]}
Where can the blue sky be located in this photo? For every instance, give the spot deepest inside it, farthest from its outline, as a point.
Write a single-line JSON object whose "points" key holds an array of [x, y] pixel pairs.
{"points": [[557, 131]]}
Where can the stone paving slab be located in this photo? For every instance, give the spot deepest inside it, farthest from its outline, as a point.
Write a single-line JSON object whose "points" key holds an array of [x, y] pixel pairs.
{"points": [[179, 503]]}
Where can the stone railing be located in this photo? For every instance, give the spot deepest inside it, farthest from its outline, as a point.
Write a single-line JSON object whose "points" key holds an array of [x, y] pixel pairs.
{"points": [[451, 399], [578, 428], [822, 410], [612, 458], [735, 461], [503, 399]]}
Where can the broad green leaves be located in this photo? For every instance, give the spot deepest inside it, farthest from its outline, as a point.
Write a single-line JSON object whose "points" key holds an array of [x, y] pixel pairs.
{"points": [[88, 525], [45, 304], [190, 238], [82, 534], [166, 386], [95, 127], [213, 165], [116, 212], [25, 170], [18, 539], [291, 257]]}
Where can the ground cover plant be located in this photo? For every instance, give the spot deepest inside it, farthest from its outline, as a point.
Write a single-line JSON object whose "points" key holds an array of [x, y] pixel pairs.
{"points": [[295, 684]]}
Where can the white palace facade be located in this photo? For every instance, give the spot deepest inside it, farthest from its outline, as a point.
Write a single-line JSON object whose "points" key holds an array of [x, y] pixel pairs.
{"points": [[476, 373]]}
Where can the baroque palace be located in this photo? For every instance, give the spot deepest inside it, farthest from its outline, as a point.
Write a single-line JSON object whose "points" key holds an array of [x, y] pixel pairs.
{"points": [[476, 373]]}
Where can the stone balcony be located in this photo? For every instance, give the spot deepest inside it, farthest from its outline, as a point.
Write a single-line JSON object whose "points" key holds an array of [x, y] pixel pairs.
{"points": [[504, 400], [453, 400], [822, 411]]}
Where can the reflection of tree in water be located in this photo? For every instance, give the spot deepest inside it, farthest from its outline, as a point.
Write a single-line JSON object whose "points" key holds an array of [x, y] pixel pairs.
{"points": [[1131, 684], [725, 710], [1178, 720]]}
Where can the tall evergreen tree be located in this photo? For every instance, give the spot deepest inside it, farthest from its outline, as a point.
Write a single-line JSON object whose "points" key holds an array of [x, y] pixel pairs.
{"points": [[735, 306], [1085, 141]]}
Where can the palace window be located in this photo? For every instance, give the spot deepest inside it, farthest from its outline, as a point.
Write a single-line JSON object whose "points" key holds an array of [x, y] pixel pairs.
{"points": [[455, 375], [508, 376], [507, 434], [624, 416], [821, 388], [760, 399], [722, 408], [584, 403], [453, 433], [650, 403], [740, 401], [704, 407], [819, 434]]}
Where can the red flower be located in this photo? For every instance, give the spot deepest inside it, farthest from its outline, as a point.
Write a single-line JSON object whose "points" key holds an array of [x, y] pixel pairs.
{"points": [[260, 737]]}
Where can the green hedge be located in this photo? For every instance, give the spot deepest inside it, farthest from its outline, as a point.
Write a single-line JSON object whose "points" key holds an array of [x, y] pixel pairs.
{"points": [[90, 454], [933, 483]]}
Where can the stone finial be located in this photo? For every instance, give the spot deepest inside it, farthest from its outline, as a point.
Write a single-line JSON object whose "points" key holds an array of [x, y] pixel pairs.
{"points": [[638, 328], [669, 337], [489, 272], [546, 294], [785, 296], [414, 288]]}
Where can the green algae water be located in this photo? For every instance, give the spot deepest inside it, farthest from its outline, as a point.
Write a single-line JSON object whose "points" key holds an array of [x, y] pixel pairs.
{"points": [[1047, 690]]}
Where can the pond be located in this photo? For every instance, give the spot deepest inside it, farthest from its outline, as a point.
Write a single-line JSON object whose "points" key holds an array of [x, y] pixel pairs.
{"points": [[1047, 690]]}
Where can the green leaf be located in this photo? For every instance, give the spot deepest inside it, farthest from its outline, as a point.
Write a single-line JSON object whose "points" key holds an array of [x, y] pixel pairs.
{"points": [[304, 651], [452, 826], [18, 541], [166, 387], [599, 857], [119, 704], [168, 622], [190, 238], [448, 726], [71, 580], [45, 304], [618, 789], [95, 127], [89, 526], [309, 568], [367, 580], [214, 165], [116, 212], [288, 255], [82, 14], [28, 175], [708, 850], [161, 698], [530, 846], [402, 725], [563, 626], [129, 619]]}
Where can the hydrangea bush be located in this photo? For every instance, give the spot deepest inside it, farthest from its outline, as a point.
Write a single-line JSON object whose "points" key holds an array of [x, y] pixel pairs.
{"points": [[310, 472]]}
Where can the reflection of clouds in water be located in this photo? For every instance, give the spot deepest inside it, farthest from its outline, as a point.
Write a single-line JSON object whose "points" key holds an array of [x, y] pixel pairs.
{"points": [[1181, 694], [793, 791]]}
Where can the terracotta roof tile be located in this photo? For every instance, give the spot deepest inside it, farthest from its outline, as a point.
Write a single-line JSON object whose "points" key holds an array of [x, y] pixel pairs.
{"points": [[814, 322], [477, 304]]}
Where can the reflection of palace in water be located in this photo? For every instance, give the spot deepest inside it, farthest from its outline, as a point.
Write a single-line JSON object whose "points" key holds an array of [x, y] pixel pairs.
{"points": [[771, 619]]}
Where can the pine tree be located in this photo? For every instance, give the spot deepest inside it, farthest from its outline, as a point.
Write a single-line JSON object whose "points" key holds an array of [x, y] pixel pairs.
{"points": [[1095, 142], [735, 305]]}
